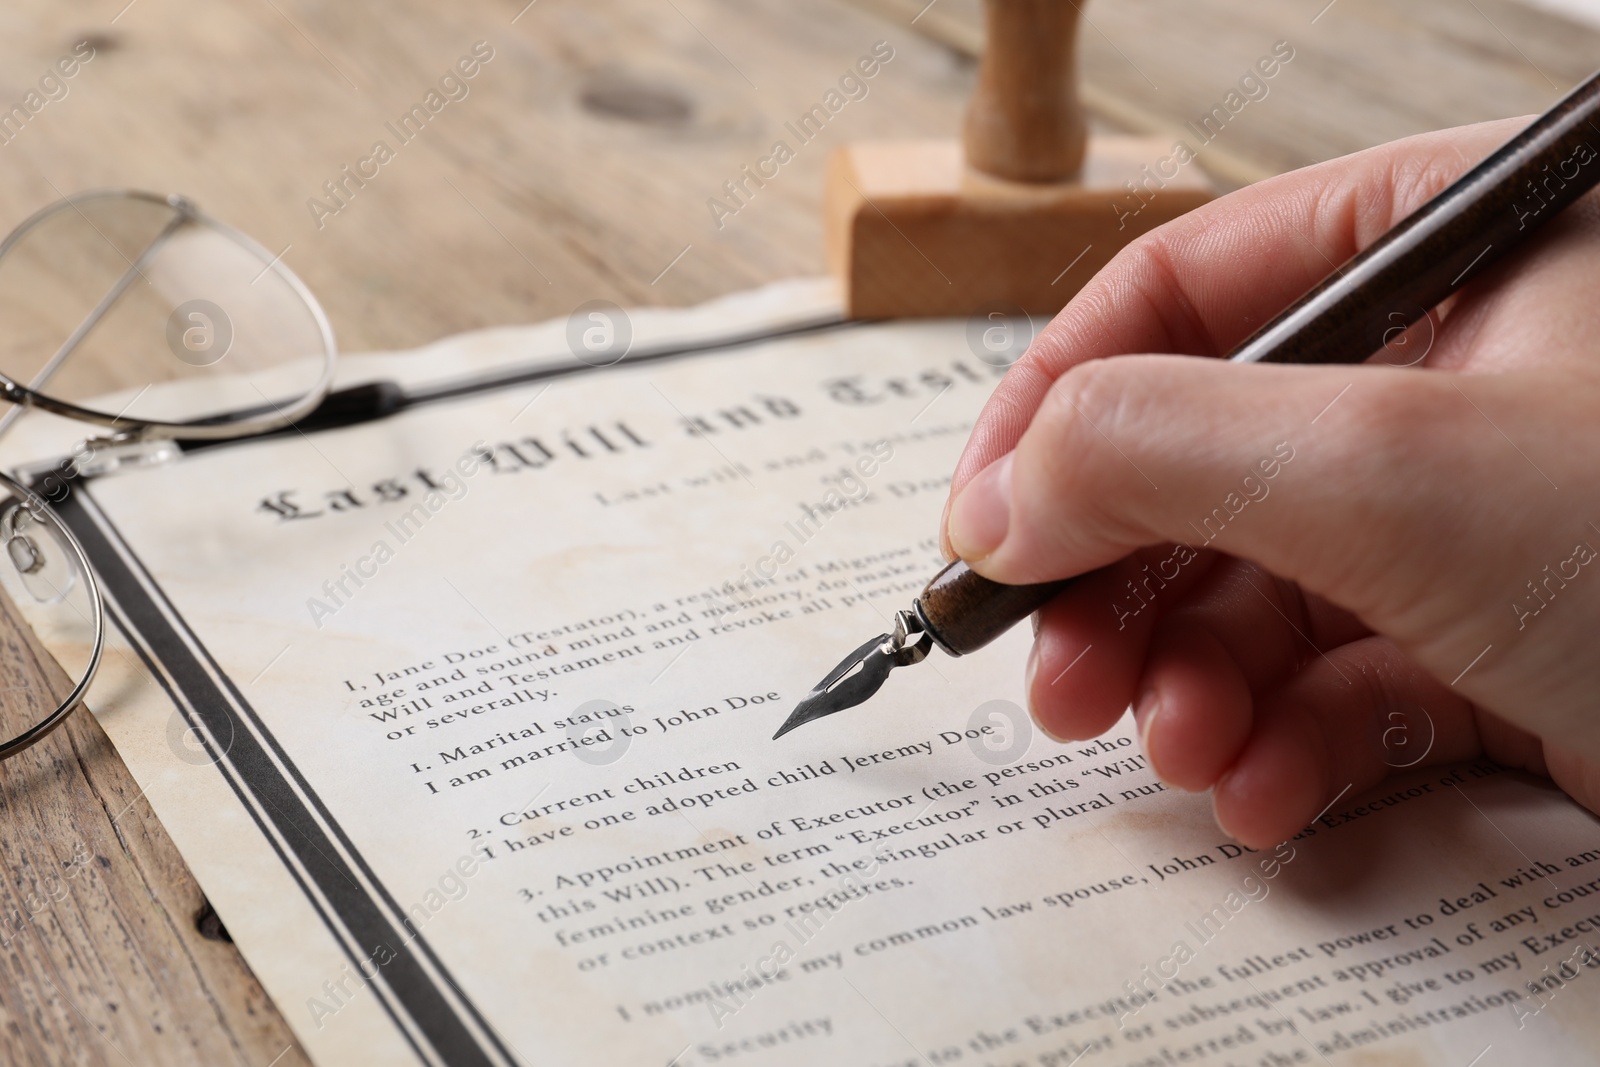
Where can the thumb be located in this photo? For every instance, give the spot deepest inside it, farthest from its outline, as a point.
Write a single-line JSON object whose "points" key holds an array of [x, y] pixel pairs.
{"points": [[1383, 490]]}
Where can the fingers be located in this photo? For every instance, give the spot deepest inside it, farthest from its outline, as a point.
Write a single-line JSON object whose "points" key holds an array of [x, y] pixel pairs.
{"points": [[1578, 777], [1375, 508], [1195, 709], [1448, 512], [1259, 720], [1090, 643], [1238, 637], [1203, 282], [1140, 450], [1336, 729], [1282, 702], [1196, 643]]}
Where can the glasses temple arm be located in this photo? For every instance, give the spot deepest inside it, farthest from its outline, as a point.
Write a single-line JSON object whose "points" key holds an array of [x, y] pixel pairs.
{"points": [[135, 269]]}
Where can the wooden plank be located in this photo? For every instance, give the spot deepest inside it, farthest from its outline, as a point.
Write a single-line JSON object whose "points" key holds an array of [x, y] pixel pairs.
{"points": [[577, 167], [1364, 72], [103, 961]]}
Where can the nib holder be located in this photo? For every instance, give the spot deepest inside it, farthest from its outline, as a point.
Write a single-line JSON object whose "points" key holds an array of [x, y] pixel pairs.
{"points": [[960, 611], [963, 611]]}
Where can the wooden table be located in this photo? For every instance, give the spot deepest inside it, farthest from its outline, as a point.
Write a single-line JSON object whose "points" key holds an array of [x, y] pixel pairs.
{"points": [[577, 168]]}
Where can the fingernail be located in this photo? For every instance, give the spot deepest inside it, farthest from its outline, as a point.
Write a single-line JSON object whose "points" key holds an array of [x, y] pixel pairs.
{"points": [[981, 514], [1043, 729], [1145, 710], [1216, 809], [945, 550], [1027, 678], [1033, 712]]}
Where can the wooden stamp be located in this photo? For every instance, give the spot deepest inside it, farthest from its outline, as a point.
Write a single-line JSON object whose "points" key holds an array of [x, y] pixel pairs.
{"points": [[1023, 211]]}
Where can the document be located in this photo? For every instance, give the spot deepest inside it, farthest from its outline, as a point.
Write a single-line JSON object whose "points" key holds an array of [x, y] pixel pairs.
{"points": [[462, 718]]}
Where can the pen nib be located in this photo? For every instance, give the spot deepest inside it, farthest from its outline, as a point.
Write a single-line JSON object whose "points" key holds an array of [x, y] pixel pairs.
{"points": [[856, 678], [863, 672]]}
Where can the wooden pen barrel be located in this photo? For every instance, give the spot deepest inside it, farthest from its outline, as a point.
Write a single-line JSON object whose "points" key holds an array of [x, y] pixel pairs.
{"points": [[963, 611]]}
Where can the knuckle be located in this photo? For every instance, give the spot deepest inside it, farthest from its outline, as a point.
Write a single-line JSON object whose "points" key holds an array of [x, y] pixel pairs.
{"points": [[1402, 418], [1088, 399], [1077, 448]]}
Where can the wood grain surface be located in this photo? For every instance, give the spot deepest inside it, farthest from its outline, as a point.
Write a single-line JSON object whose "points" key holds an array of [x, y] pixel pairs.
{"points": [[1365, 71], [579, 166]]}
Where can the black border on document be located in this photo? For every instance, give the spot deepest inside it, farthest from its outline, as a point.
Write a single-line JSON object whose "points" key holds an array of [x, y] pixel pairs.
{"points": [[421, 997]]}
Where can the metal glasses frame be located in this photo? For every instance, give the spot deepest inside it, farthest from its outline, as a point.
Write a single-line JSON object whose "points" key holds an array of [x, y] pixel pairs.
{"points": [[19, 545], [126, 431]]}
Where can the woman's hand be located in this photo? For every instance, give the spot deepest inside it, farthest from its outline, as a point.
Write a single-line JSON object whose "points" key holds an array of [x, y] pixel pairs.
{"points": [[1313, 567]]}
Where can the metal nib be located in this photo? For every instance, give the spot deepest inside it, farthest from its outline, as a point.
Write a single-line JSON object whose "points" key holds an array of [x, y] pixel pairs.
{"points": [[862, 673]]}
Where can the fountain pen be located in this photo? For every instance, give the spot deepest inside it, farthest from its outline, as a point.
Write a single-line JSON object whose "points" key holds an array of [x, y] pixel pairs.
{"points": [[1363, 306]]}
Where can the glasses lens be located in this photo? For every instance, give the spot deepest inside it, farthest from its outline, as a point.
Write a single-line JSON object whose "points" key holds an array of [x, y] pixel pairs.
{"points": [[42, 575], [134, 308]]}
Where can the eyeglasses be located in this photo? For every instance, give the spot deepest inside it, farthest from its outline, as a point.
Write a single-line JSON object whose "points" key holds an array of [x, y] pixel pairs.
{"points": [[138, 314]]}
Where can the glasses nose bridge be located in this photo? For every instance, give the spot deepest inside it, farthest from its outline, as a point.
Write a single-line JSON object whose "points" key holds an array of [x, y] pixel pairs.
{"points": [[51, 565], [24, 553]]}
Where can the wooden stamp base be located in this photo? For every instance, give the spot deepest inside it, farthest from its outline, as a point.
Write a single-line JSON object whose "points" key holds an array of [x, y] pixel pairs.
{"points": [[913, 231]]}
